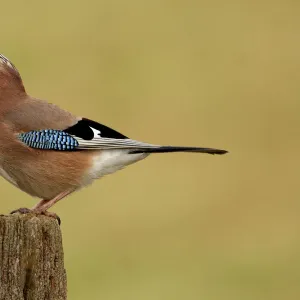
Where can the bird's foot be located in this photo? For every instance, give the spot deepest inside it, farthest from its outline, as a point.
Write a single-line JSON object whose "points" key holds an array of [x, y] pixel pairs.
{"points": [[51, 215], [24, 211]]}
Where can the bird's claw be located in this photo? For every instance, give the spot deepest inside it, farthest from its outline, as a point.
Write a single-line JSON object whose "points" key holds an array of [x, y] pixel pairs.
{"points": [[52, 215], [22, 210]]}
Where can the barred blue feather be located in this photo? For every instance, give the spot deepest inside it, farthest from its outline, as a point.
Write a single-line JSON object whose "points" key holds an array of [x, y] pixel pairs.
{"points": [[49, 139]]}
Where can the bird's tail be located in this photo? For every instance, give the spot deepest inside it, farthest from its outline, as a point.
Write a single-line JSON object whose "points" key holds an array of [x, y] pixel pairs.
{"points": [[165, 149]]}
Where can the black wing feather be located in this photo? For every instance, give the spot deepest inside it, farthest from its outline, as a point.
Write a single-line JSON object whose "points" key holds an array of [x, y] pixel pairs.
{"points": [[83, 130]]}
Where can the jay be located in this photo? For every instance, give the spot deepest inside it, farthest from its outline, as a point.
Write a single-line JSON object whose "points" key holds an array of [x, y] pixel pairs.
{"points": [[49, 153]]}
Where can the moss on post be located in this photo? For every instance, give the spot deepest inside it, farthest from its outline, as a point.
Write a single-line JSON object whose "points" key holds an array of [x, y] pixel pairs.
{"points": [[31, 259]]}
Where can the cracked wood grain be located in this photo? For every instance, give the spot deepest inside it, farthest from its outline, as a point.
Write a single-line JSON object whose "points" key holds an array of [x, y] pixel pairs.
{"points": [[31, 259]]}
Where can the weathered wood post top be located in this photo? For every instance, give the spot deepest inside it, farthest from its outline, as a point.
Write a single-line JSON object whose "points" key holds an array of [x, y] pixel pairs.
{"points": [[31, 258]]}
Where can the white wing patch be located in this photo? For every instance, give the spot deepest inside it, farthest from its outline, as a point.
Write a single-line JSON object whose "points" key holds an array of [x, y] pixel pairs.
{"points": [[97, 133]]}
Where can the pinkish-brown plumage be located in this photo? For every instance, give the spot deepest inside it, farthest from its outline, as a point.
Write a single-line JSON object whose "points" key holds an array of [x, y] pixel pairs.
{"points": [[51, 175], [42, 174]]}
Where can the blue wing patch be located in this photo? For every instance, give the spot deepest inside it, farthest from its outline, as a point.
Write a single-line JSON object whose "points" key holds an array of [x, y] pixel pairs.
{"points": [[49, 139]]}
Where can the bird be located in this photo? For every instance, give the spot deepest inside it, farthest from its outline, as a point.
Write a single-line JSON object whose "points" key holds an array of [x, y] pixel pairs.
{"points": [[49, 153]]}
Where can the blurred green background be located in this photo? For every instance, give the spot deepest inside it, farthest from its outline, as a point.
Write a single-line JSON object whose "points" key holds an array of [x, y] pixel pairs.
{"points": [[204, 73]]}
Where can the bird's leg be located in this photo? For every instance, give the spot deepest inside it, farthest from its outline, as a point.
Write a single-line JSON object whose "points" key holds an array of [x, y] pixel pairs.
{"points": [[24, 210], [38, 208], [39, 204], [42, 206]]}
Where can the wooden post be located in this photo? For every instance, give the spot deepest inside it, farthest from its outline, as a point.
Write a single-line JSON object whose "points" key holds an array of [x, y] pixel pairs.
{"points": [[31, 259]]}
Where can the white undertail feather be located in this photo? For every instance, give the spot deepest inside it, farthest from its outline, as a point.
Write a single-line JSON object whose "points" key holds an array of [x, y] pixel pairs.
{"points": [[110, 161]]}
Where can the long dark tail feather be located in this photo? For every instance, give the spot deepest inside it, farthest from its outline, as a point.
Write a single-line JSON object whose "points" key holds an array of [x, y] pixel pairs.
{"points": [[164, 149]]}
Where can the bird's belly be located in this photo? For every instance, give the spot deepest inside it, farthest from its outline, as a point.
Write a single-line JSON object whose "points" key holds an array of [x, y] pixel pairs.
{"points": [[110, 161]]}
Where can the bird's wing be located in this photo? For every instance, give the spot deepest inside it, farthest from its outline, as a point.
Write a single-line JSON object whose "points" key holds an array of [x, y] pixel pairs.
{"points": [[90, 135], [84, 135]]}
